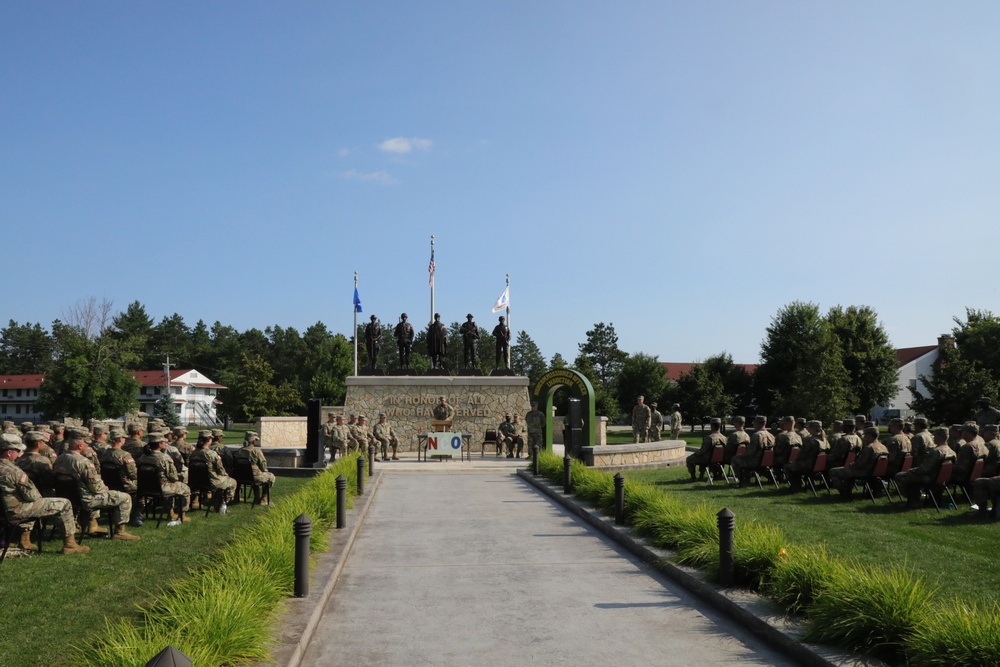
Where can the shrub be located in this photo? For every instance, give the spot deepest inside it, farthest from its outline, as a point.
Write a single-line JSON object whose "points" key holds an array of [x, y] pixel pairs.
{"points": [[799, 573], [957, 633]]}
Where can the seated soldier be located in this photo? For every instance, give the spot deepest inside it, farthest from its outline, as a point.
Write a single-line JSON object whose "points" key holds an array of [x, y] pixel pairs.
{"points": [[921, 441], [170, 480], [363, 434], [511, 436], [863, 467], [178, 438], [703, 457], [898, 445], [992, 466], [93, 492], [122, 461], [134, 444], [812, 446], [340, 438], [252, 453], [222, 484], [37, 466], [926, 473], [973, 450], [840, 449], [222, 450], [784, 442], [22, 503], [760, 441], [386, 437], [738, 437]]}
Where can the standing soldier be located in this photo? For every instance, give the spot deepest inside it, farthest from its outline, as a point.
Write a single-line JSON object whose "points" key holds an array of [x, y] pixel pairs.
{"points": [[22, 503], [386, 437], [373, 340], [675, 422], [760, 440], [470, 342], [404, 340], [986, 414], [535, 421], [93, 492], [703, 457], [641, 417], [655, 424], [170, 480]]}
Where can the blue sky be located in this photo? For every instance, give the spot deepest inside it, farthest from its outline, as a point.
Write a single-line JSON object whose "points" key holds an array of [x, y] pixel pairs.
{"points": [[681, 170]]}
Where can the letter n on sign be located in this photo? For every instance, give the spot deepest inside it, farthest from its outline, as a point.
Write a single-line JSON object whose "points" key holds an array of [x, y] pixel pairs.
{"points": [[432, 442]]}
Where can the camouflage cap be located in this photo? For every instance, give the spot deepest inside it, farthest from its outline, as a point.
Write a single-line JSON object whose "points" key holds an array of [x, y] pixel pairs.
{"points": [[134, 428], [920, 421], [11, 441], [801, 420], [870, 424], [99, 429], [787, 419], [179, 430], [990, 428], [640, 397], [206, 433], [984, 399], [738, 419], [955, 427], [940, 432], [55, 426], [33, 436], [44, 428], [381, 415], [116, 434], [872, 431], [77, 433], [653, 404], [217, 433], [156, 438], [860, 418], [814, 423], [759, 419], [26, 426], [896, 421], [250, 435], [715, 421], [838, 422], [971, 427]]}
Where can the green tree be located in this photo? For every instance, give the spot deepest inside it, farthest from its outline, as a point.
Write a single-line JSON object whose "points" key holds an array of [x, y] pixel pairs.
{"points": [[90, 377], [704, 394], [868, 356], [526, 359], [978, 338], [165, 409], [601, 353], [170, 337], [25, 349], [641, 374], [252, 393], [557, 361], [133, 329], [605, 402], [328, 361], [802, 371]]}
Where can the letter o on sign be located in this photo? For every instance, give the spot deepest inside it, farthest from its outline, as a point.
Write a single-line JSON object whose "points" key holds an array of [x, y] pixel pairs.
{"points": [[456, 442]]}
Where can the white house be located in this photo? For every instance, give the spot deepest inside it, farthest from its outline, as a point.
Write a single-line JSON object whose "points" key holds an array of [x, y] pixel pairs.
{"points": [[914, 362], [194, 395]]}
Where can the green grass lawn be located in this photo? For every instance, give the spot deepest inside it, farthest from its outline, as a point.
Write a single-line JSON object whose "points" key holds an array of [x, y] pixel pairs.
{"points": [[51, 601], [949, 549]]}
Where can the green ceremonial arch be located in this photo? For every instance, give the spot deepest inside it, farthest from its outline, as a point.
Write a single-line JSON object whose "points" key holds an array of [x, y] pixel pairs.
{"points": [[579, 387]]}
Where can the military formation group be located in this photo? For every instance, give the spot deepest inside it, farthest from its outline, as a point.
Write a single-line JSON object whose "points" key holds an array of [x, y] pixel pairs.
{"points": [[356, 436], [647, 422], [914, 454], [42, 466]]}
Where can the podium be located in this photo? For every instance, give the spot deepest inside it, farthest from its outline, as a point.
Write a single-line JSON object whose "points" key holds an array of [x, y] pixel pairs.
{"points": [[441, 425]]}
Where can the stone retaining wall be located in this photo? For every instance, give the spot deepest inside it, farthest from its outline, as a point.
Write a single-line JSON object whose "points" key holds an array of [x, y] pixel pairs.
{"points": [[282, 431], [647, 455]]}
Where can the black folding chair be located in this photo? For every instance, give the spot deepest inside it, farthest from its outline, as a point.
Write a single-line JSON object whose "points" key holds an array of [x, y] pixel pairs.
{"points": [[200, 482], [66, 487], [490, 439], [154, 501], [245, 483]]}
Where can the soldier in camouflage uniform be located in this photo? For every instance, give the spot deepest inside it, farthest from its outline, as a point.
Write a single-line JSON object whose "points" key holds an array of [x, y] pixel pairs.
{"points": [[814, 444], [760, 440], [992, 466], [170, 480], [987, 487], [784, 442], [340, 438], [57, 442], [655, 424], [171, 450], [535, 422], [641, 417], [911, 481], [93, 492], [99, 440], [252, 453], [222, 450], [123, 462], [675, 422], [840, 449], [35, 465], [363, 433], [973, 450], [43, 446], [134, 444], [178, 438], [955, 437], [386, 437], [898, 445], [986, 413], [223, 485], [326, 433], [511, 436], [354, 442], [843, 478], [703, 457], [22, 503], [921, 441]]}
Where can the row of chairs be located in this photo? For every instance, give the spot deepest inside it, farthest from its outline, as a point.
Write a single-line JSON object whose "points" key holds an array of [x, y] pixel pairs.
{"points": [[879, 478]]}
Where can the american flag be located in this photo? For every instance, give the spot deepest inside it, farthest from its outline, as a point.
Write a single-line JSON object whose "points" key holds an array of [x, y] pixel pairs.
{"points": [[430, 269]]}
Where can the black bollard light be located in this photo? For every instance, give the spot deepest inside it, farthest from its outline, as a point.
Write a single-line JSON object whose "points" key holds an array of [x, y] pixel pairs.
{"points": [[169, 657], [341, 501], [567, 474], [619, 499], [302, 526], [361, 474], [371, 459], [534, 460], [727, 527]]}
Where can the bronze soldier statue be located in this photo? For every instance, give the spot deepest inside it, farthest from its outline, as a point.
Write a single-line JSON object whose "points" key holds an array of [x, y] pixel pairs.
{"points": [[470, 342], [373, 340], [437, 342], [501, 332], [404, 340]]}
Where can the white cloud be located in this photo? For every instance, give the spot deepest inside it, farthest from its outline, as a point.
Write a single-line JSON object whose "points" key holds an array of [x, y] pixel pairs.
{"points": [[344, 152], [403, 145], [382, 177]]}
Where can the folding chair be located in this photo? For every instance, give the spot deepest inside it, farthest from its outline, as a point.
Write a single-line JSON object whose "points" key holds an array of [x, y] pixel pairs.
{"points": [[766, 465], [878, 474], [851, 457], [490, 439], [65, 487], [718, 454], [739, 451], [154, 501], [977, 472], [904, 467], [200, 482], [943, 479], [10, 529], [819, 468], [245, 482]]}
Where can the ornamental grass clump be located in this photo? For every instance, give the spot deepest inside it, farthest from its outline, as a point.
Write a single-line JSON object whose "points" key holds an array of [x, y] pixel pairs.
{"points": [[957, 633], [799, 573], [756, 550], [221, 613], [870, 609]]}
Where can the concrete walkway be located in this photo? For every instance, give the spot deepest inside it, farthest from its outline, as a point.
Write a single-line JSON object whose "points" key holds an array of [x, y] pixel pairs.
{"points": [[456, 567]]}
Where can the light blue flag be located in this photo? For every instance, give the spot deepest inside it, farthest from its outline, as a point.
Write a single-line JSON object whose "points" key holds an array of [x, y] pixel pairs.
{"points": [[357, 301]]}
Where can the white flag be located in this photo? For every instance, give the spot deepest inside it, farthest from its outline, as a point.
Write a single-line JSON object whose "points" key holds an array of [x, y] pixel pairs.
{"points": [[503, 301]]}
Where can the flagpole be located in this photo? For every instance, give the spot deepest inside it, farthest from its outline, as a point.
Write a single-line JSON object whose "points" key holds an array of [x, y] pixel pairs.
{"points": [[432, 268], [508, 303], [354, 307]]}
